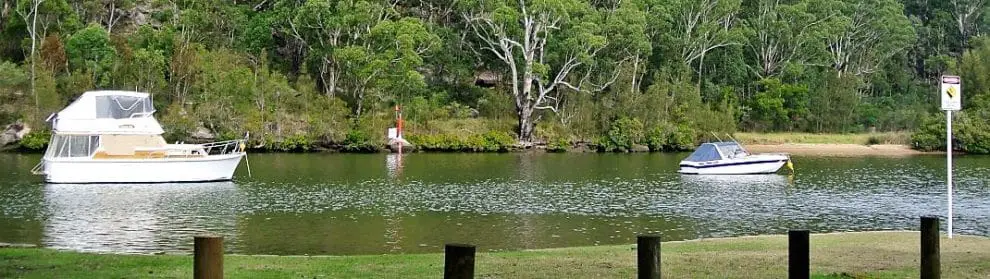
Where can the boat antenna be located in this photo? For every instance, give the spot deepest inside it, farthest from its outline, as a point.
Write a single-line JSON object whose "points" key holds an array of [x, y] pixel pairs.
{"points": [[716, 136]]}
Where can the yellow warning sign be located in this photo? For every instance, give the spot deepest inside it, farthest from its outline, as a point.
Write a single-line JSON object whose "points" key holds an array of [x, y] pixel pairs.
{"points": [[951, 92]]}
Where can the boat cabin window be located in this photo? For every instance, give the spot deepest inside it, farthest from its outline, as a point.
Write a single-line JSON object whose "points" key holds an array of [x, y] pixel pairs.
{"points": [[704, 153], [122, 107], [72, 146]]}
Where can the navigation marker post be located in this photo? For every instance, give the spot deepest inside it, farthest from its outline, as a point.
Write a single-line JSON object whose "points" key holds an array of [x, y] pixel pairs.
{"points": [[951, 92]]}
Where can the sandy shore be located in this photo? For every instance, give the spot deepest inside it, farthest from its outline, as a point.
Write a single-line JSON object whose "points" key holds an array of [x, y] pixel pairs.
{"points": [[821, 149]]}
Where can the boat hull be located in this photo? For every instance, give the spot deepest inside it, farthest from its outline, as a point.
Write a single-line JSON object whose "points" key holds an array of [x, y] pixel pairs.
{"points": [[85, 170], [750, 166]]}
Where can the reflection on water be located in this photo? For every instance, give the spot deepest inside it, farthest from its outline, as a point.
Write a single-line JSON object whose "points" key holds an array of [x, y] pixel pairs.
{"points": [[735, 181], [136, 217], [356, 204], [393, 161]]}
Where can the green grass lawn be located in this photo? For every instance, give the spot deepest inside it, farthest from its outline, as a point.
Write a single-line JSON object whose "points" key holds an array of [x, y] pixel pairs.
{"points": [[863, 138], [846, 255]]}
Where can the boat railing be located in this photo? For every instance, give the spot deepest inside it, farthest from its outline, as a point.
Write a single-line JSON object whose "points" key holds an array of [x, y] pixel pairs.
{"points": [[193, 150], [224, 147], [39, 169]]}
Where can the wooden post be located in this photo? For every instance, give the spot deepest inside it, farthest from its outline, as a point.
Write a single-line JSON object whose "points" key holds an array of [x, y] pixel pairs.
{"points": [[458, 261], [799, 257], [648, 256], [208, 257], [930, 259]]}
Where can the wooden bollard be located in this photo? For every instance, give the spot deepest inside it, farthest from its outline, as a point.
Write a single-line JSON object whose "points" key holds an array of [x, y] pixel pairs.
{"points": [[930, 259], [648, 256], [458, 261], [798, 254], [208, 257]]}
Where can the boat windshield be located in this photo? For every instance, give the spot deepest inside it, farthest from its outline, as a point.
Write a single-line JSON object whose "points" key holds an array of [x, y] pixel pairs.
{"points": [[705, 152], [122, 107], [732, 150]]}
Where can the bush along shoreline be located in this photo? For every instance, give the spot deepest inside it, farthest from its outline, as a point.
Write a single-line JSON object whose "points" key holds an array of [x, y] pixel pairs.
{"points": [[626, 137]]}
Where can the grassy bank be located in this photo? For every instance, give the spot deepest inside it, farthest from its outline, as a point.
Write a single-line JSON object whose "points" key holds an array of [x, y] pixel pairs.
{"points": [[845, 255], [863, 138]]}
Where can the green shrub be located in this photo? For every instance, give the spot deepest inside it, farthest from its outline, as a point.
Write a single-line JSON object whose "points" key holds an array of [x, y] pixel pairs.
{"points": [[623, 134], [296, 143], [874, 139], [436, 142], [930, 136], [358, 141], [667, 137], [973, 134], [491, 141], [36, 141], [658, 139], [969, 134], [559, 145], [684, 138]]}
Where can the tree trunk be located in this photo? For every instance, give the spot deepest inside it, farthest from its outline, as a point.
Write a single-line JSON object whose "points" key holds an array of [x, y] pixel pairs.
{"points": [[525, 124], [4, 13], [34, 39]]}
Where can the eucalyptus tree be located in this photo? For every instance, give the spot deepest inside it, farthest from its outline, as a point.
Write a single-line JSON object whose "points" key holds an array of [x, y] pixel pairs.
{"points": [[39, 16], [28, 10], [325, 25], [779, 34], [359, 48], [540, 44], [967, 13], [106, 12], [863, 34], [698, 27]]}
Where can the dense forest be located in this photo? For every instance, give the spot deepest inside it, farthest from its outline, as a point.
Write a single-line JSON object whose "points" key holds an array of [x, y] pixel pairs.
{"points": [[486, 74]]}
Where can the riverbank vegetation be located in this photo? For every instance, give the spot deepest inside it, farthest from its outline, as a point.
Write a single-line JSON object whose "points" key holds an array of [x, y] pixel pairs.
{"points": [[900, 138], [843, 255], [617, 75]]}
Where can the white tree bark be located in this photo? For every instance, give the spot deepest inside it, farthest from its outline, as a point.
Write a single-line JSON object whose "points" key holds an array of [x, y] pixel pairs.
{"points": [[850, 49], [520, 54], [704, 28], [31, 20], [773, 47], [113, 16], [966, 13]]}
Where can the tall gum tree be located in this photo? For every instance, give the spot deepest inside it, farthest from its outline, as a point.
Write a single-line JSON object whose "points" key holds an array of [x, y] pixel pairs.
{"points": [[863, 34], [967, 13], [540, 43], [28, 10], [779, 34], [701, 26]]}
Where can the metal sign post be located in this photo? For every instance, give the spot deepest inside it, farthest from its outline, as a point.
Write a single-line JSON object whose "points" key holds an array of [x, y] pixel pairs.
{"points": [[951, 92]]}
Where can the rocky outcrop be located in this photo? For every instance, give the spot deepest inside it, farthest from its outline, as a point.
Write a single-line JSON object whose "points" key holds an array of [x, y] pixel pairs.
{"points": [[13, 133], [395, 143], [639, 148], [202, 134]]}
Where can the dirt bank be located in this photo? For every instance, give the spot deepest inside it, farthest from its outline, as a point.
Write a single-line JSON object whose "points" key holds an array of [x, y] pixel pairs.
{"points": [[825, 149]]}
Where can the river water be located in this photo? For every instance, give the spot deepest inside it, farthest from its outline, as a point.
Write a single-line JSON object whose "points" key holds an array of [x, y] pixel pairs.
{"points": [[340, 204]]}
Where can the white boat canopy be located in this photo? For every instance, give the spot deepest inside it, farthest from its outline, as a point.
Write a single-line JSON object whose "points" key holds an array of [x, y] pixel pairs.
{"points": [[108, 112]]}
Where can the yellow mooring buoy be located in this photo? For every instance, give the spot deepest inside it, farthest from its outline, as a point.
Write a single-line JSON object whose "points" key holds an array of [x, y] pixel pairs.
{"points": [[790, 165]]}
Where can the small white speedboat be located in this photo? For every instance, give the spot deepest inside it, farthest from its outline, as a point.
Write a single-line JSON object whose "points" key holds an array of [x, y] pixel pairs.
{"points": [[731, 158]]}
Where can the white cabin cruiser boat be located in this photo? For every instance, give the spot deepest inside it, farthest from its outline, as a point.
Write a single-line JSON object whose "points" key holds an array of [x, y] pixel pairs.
{"points": [[111, 137], [731, 158]]}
